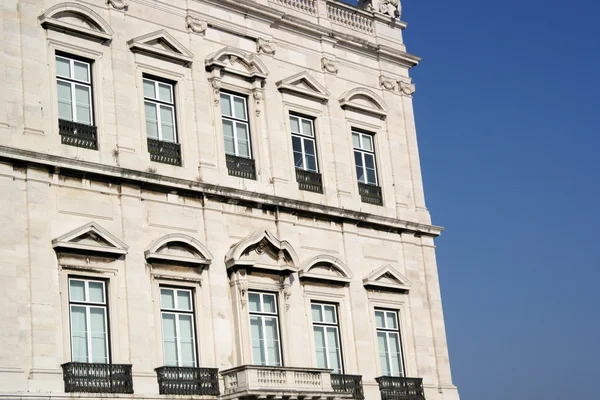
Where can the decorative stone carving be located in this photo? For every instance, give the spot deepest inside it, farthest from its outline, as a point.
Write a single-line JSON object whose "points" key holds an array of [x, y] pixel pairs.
{"points": [[119, 4], [258, 96], [406, 88], [215, 83], [392, 8], [387, 82], [365, 5], [287, 293], [195, 25], [243, 288], [265, 46], [329, 65]]}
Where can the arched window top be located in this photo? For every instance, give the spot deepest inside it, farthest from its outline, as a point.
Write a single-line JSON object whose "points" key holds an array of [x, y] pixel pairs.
{"points": [[78, 19], [178, 248], [364, 100], [326, 268], [238, 62]]}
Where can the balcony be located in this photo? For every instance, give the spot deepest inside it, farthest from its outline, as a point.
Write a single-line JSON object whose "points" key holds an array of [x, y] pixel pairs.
{"points": [[279, 383], [370, 194], [97, 378], [241, 167], [78, 135], [349, 384], [399, 388], [309, 181], [164, 152], [188, 381]]}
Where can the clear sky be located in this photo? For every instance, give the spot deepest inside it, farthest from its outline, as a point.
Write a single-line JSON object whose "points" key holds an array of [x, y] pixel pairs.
{"points": [[508, 121]]}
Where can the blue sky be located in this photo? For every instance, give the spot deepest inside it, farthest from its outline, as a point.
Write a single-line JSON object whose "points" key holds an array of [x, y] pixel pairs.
{"points": [[508, 119]]}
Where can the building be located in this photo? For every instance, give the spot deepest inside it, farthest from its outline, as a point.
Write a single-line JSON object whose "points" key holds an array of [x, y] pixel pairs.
{"points": [[213, 198]]}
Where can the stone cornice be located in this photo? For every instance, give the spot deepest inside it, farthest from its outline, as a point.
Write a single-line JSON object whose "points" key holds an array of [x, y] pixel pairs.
{"points": [[124, 175]]}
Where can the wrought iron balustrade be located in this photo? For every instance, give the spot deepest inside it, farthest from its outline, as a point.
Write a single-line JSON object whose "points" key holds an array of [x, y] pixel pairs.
{"points": [[164, 152], [97, 378], [241, 166], [188, 381], [351, 384], [309, 180], [370, 194], [78, 135], [400, 388]]}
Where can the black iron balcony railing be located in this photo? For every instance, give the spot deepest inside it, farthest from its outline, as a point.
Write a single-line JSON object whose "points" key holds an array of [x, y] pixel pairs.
{"points": [[241, 167], [97, 378], [399, 388], [188, 381], [351, 384], [164, 152], [370, 194], [309, 180], [78, 135]]}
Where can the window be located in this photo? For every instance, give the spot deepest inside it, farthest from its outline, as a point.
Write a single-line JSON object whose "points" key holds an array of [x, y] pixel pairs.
{"points": [[388, 340], [89, 321], [74, 89], [264, 329], [236, 130], [364, 157], [303, 143], [159, 104], [327, 337], [177, 314]]}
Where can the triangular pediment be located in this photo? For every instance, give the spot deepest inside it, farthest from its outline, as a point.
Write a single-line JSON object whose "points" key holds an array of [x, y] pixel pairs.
{"points": [[161, 44], [90, 238], [387, 277], [304, 84], [365, 101], [326, 268], [76, 19], [178, 249]]}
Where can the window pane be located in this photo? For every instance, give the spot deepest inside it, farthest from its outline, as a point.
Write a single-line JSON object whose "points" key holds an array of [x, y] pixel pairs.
{"points": [[367, 142], [239, 106], [383, 350], [371, 176], [269, 303], [169, 339], [96, 290], [187, 341], [242, 140], [309, 146], [297, 144], [272, 341], [63, 67], [79, 342], [184, 301], [228, 135], [307, 127], [311, 163], [394, 349], [330, 314], [81, 71], [294, 124], [225, 105], [333, 349], [149, 89], [360, 174], [390, 318], [167, 298], [320, 346], [356, 140], [379, 319], [254, 302], [82, 98], [369, 161], [164, 93], [358, 158], [317, 315], [98, 327], [167, 124], [77, 290], [151, 120], [65, 110], [298, 160], [258, 356]]}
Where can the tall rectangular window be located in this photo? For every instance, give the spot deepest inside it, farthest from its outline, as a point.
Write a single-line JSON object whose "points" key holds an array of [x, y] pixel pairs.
{"points": [[177, 314], [159, 105], [388, 340], [89, 321], [264, 329], [74, 89], [327, 337], [303, 143], [236, 128], [364, 157]]}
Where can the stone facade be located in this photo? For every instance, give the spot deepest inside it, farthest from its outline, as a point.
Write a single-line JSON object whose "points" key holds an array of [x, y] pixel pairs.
{"points": [[107, 211]]}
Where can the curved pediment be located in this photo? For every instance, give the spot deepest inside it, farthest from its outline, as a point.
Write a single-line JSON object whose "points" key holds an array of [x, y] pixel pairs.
{"points": [[262, 250], [304, 84], [161, 44], [237, 62], [90, 239], [387, 278], [178, 248], [364, 100], [76, 19], [326, 268]]}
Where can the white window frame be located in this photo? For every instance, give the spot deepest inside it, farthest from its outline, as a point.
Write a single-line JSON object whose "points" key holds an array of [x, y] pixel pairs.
{"points": [[73, 83], [262, 315], [87, 304], [362, 151], [303, 137], [328, 325], [389, 333], [235, 122], [161, 103], [178, 312]]}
